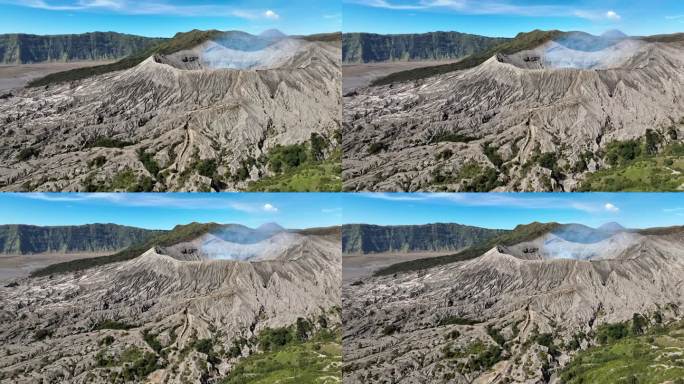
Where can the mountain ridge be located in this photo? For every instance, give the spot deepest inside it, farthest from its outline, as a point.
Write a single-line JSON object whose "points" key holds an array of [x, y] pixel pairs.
{"points": [[29, 239], [360, 47], [22, 48]]}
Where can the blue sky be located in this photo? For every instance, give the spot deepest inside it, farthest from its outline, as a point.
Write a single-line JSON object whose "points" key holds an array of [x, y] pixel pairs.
{"points": [[164, 18], [508, 17], [304, 210], [163, 211], [506, 210]]}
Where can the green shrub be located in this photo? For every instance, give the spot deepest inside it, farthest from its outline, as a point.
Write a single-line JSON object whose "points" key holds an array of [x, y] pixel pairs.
{"points": [[148, 162], [376, 148], [106, 142], [112, 324], [27, 153]]}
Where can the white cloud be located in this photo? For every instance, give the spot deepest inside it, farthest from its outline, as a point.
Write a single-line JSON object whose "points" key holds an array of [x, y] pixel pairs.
{"points": [[225, 202], [271, 15], [156, 7], [613, 15], [493, 200], [611, 208], [270, 208], [490, 7]]}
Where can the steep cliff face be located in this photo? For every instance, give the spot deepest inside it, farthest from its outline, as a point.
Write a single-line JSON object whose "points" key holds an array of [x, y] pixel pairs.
{"points": [[174, 320], [516, 313], [28, 239], [29, 49], [363, 238], [369, 47]]}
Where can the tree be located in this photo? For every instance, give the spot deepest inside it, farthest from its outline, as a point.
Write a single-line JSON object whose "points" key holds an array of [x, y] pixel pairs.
{"points": [[638, 324]]}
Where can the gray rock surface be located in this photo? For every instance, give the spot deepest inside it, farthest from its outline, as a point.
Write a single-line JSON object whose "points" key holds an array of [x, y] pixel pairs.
{"points": [[412, 328], [178, 115], [523, 105], [178, 301]]}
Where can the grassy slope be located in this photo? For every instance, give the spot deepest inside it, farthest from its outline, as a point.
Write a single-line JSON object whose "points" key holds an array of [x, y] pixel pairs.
{"points": [[652, 359], [642, 175], [306, 363], [322, 177], [519, 234], [178, 43], [521, 42], [311, 177], [179, 234]]}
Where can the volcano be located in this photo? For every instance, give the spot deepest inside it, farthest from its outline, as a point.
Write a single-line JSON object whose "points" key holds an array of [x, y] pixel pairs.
{"points": [[538, 113], [515, 312], [182, 318], [202, 111]]}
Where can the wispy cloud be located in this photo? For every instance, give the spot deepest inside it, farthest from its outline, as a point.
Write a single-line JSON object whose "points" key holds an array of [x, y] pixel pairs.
{"points": [[491, 7], [268, 207], [157, 200], [269, 14], [494, 200], [611, 208], [130, 7]]}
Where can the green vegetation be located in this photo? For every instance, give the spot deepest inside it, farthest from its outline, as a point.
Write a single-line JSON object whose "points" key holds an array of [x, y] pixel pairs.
{"points": [[302, 168], [25, 239], [639, 165], [27, 153], [476, 356], [179, 42], [289, 359], [456, 320], [42, 334], [631, 355], [112, 324], [451, 137], [148, 162], [521, 42], [370, 47], [364, 238], [123, 181], [29, 49], [179, 234], [473, 177], [377, 147], [107, 142], [520, 234], [136, 365]]}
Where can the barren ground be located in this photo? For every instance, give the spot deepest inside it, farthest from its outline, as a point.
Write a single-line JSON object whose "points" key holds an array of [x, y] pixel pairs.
{"points": [[17, 76], [19, 266], [357, 267], [360, 75]]}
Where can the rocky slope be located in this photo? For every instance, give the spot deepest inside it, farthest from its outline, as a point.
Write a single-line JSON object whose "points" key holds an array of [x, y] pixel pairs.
{"points": [[180, 120], [370, 47], [161, 318], [514, 314], [30, 49], [28, 239], [440, 237], [533, 120]]}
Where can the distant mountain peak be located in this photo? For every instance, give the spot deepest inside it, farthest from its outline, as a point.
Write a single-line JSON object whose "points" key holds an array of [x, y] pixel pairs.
{"points": [[272, 34], [614, 34], [611, 227], [270, 227]]}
